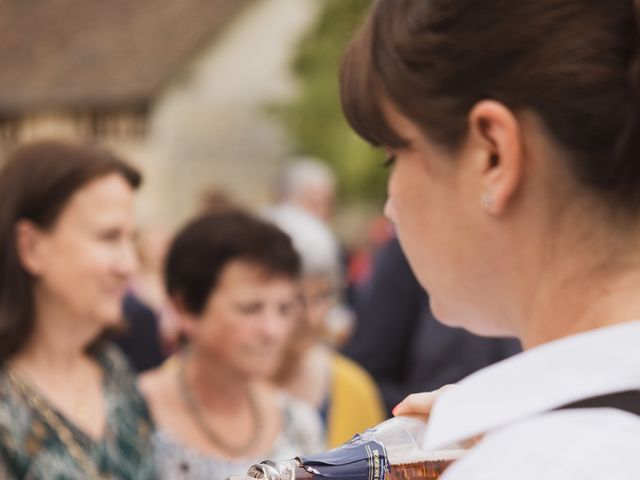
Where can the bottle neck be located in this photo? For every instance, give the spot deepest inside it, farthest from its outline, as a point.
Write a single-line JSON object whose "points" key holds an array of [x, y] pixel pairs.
{"points": [[300, 473]]}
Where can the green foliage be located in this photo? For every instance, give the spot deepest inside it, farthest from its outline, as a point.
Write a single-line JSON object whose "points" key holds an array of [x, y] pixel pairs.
{"points": [[315, 119]]}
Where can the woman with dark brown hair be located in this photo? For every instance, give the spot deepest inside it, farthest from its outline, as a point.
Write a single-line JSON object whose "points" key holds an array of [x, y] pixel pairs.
{"points": [[69, 406], [233, 281], [514, 133]]}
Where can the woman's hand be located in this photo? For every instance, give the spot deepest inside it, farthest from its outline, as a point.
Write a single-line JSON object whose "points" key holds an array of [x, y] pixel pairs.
{"points": [[419, 403]]}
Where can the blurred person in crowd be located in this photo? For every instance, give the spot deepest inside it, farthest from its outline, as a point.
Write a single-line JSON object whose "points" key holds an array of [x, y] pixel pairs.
{"points": [[154, 333], [140, 339], [320, 253], [233, 281], [69, 404], [399, 341], [145, 305], [379, 232], [309, 184], [343, 392], [216, 199], [147, 285], [514, 133]]}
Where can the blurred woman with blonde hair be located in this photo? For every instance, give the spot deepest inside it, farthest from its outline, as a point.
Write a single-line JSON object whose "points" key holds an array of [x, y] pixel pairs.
{"points": [[342, 391]]}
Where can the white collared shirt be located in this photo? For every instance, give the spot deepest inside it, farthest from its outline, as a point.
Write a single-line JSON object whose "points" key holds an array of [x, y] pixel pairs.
{"points": [[511, 404]]}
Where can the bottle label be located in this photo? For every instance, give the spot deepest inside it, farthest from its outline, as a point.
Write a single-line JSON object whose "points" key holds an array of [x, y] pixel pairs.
{"points": [[358, 459]]}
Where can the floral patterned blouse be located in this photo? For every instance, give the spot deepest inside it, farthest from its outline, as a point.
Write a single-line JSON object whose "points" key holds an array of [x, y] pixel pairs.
{"points": [[30, 448]]}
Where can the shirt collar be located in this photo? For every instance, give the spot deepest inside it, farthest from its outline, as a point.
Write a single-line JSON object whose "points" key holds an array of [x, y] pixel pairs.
{"points": [[546, 377]]}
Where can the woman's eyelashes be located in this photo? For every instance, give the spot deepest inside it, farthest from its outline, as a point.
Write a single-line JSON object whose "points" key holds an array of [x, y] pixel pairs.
{"points": [[110, 235], [389, 161], [249, 308]]}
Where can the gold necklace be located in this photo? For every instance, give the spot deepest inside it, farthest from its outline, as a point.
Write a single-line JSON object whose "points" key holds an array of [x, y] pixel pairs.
{"points": [[40, 405], [214, 438], [83, 411]]}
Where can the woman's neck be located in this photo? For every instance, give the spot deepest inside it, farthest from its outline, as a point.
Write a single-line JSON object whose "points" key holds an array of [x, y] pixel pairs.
{"points": [[584, 306], [51, 353], [583, 290], [215, 385], [59, 339], [312, 376]]}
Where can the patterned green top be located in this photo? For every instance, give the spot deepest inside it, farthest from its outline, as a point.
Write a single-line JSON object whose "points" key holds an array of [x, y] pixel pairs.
{"points": [[31, 449]]}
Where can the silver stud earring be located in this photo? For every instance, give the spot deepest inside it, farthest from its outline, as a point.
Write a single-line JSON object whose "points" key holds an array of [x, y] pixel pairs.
{"points": [[487, 200]]}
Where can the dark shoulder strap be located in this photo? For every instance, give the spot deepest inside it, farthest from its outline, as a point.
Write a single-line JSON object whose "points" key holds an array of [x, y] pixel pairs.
{"points": [[628, 401]]}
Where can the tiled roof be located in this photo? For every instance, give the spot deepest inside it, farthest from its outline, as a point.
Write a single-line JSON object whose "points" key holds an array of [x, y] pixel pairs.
{"points": [[100, 53]]}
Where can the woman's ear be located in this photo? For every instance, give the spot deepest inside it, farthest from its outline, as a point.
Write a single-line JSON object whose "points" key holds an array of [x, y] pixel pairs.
{"points": [[30, 246], [496, 134], [185, 320]]}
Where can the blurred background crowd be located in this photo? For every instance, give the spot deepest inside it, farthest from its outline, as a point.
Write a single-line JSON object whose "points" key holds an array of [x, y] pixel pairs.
{"points": [[265, 304]]}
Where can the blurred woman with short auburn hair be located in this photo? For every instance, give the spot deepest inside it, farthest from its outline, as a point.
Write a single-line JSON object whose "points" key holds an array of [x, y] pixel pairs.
{"points": [[232, 279]]}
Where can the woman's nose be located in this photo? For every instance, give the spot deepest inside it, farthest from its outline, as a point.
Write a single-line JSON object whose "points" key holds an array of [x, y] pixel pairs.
{"points": [[273, 325], [390, 210], [127, 260]]}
